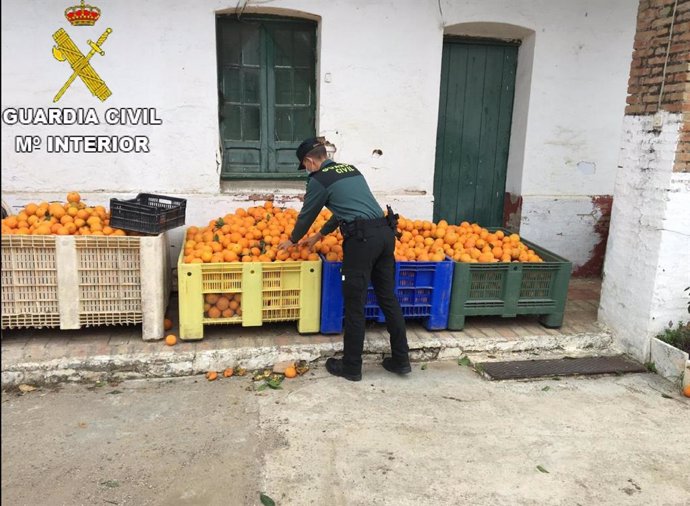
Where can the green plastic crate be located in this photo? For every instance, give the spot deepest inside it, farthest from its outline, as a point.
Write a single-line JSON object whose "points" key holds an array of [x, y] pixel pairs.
{"points": [[511, 289]]}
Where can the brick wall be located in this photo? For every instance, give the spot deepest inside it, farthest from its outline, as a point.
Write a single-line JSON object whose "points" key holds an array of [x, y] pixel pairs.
{"points": [[652, 51]]}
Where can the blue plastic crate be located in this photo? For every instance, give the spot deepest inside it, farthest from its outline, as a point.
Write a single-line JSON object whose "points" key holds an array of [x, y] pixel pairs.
{"points": [[423, 290]]}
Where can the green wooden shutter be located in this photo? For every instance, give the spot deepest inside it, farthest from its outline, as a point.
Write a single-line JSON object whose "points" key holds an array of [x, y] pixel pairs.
{"points": [[267, 94], [475, 113]]}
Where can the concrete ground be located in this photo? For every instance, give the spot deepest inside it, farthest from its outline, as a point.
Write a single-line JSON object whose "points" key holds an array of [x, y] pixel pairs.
{"points": [[442, 435]]}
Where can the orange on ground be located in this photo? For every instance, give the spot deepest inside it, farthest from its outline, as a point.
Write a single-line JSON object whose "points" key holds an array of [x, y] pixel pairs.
{"points": [[290, 372], [170, 340], [212, 375]]}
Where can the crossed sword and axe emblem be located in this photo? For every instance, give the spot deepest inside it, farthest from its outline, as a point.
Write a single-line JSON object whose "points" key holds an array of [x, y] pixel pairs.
{"points": [[66, 49]]}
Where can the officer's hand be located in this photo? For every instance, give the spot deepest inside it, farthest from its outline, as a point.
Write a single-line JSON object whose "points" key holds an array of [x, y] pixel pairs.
{"points": [[309, 243], [285, 245]]}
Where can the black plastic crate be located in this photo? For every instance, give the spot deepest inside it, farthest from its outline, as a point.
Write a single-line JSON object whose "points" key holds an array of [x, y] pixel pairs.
{"points": [[147, 213]]}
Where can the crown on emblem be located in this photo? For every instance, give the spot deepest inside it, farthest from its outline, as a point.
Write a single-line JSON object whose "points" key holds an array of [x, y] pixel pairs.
{"points": [[82, 15]]}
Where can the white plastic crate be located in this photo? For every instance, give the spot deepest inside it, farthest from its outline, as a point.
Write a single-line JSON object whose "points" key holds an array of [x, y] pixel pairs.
{"points": [[29, 282], [73, 281]]}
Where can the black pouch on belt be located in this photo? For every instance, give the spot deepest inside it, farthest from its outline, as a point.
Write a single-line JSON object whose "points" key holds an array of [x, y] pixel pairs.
{"points": [[393, 221], [347, 229]]}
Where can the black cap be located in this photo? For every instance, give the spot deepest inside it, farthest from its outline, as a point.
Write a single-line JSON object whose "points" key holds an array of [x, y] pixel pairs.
{"points": [[304, 149]]}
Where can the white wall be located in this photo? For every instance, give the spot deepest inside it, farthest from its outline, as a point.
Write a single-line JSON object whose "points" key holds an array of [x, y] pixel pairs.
{"points": [[648, 257], [384, 61]]}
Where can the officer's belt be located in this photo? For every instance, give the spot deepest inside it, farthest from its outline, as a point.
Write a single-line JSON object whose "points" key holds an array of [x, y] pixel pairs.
{"points": [[359, 226]]}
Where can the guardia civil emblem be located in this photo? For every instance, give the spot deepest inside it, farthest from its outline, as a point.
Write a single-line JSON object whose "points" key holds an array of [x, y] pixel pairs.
{"points": [[80, 63]]}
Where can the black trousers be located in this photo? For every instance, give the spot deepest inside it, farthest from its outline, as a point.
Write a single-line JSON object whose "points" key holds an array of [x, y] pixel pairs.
{"points": [[370, 258]]}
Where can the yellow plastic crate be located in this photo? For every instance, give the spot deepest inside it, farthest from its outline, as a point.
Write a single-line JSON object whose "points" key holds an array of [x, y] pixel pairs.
{"points": [[270, 292]]}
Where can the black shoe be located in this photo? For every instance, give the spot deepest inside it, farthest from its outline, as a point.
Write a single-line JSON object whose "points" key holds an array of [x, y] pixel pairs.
{"points": [[335, 367], [391, 366]]}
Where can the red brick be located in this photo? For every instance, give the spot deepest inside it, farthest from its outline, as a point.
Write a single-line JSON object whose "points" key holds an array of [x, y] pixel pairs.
{"points": [[641, 55], [680, 26], [674, 67], [657, 60], [660, 3], [634, 109], [640, 71], [644, 35], [670, 88], [651, 108], [663, 21], [679, 58], [683, 157], [672, 107], [649, 98], [662, 36], [680, 47], [651, 80], [656, 71], [681, 167], [632, 99], [682, 7], [677, 77], [634, 89], [674, 96]]}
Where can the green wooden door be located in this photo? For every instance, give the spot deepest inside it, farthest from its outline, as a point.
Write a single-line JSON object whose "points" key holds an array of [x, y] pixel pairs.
{"points": [[266, 94], [475, 112]]}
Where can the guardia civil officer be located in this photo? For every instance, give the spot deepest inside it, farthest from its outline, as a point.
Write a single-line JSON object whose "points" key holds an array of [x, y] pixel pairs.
{"points": [[369, 243]]}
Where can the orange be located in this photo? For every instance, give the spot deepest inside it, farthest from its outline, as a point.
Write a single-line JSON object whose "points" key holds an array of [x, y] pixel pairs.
{"points": [[56, 210], [214, 312], [167, 324], [290, 372], [686, 390], [212, 375], [228, 372], [170, 340], [73, 197], [223, 303]]}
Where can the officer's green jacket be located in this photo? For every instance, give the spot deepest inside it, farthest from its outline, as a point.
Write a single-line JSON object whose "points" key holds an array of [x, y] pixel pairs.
{"points": [[343, 190]]}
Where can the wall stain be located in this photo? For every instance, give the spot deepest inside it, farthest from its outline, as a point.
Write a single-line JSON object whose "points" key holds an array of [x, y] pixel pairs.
{"points": [[595, 264], [512, 211]]}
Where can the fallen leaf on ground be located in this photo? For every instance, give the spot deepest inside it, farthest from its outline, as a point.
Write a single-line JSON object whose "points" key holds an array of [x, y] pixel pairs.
{"points": [[465, 361], [267, 501], [26, 388], [542, 469]]}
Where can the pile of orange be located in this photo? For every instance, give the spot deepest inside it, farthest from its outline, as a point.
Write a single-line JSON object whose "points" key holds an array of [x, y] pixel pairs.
{"points": [[425, 241], [222, 305], [253, 235], [73, 217]]}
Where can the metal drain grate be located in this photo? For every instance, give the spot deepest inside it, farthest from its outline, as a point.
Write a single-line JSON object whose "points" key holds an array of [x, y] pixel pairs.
{"points": [[521, 369]]}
